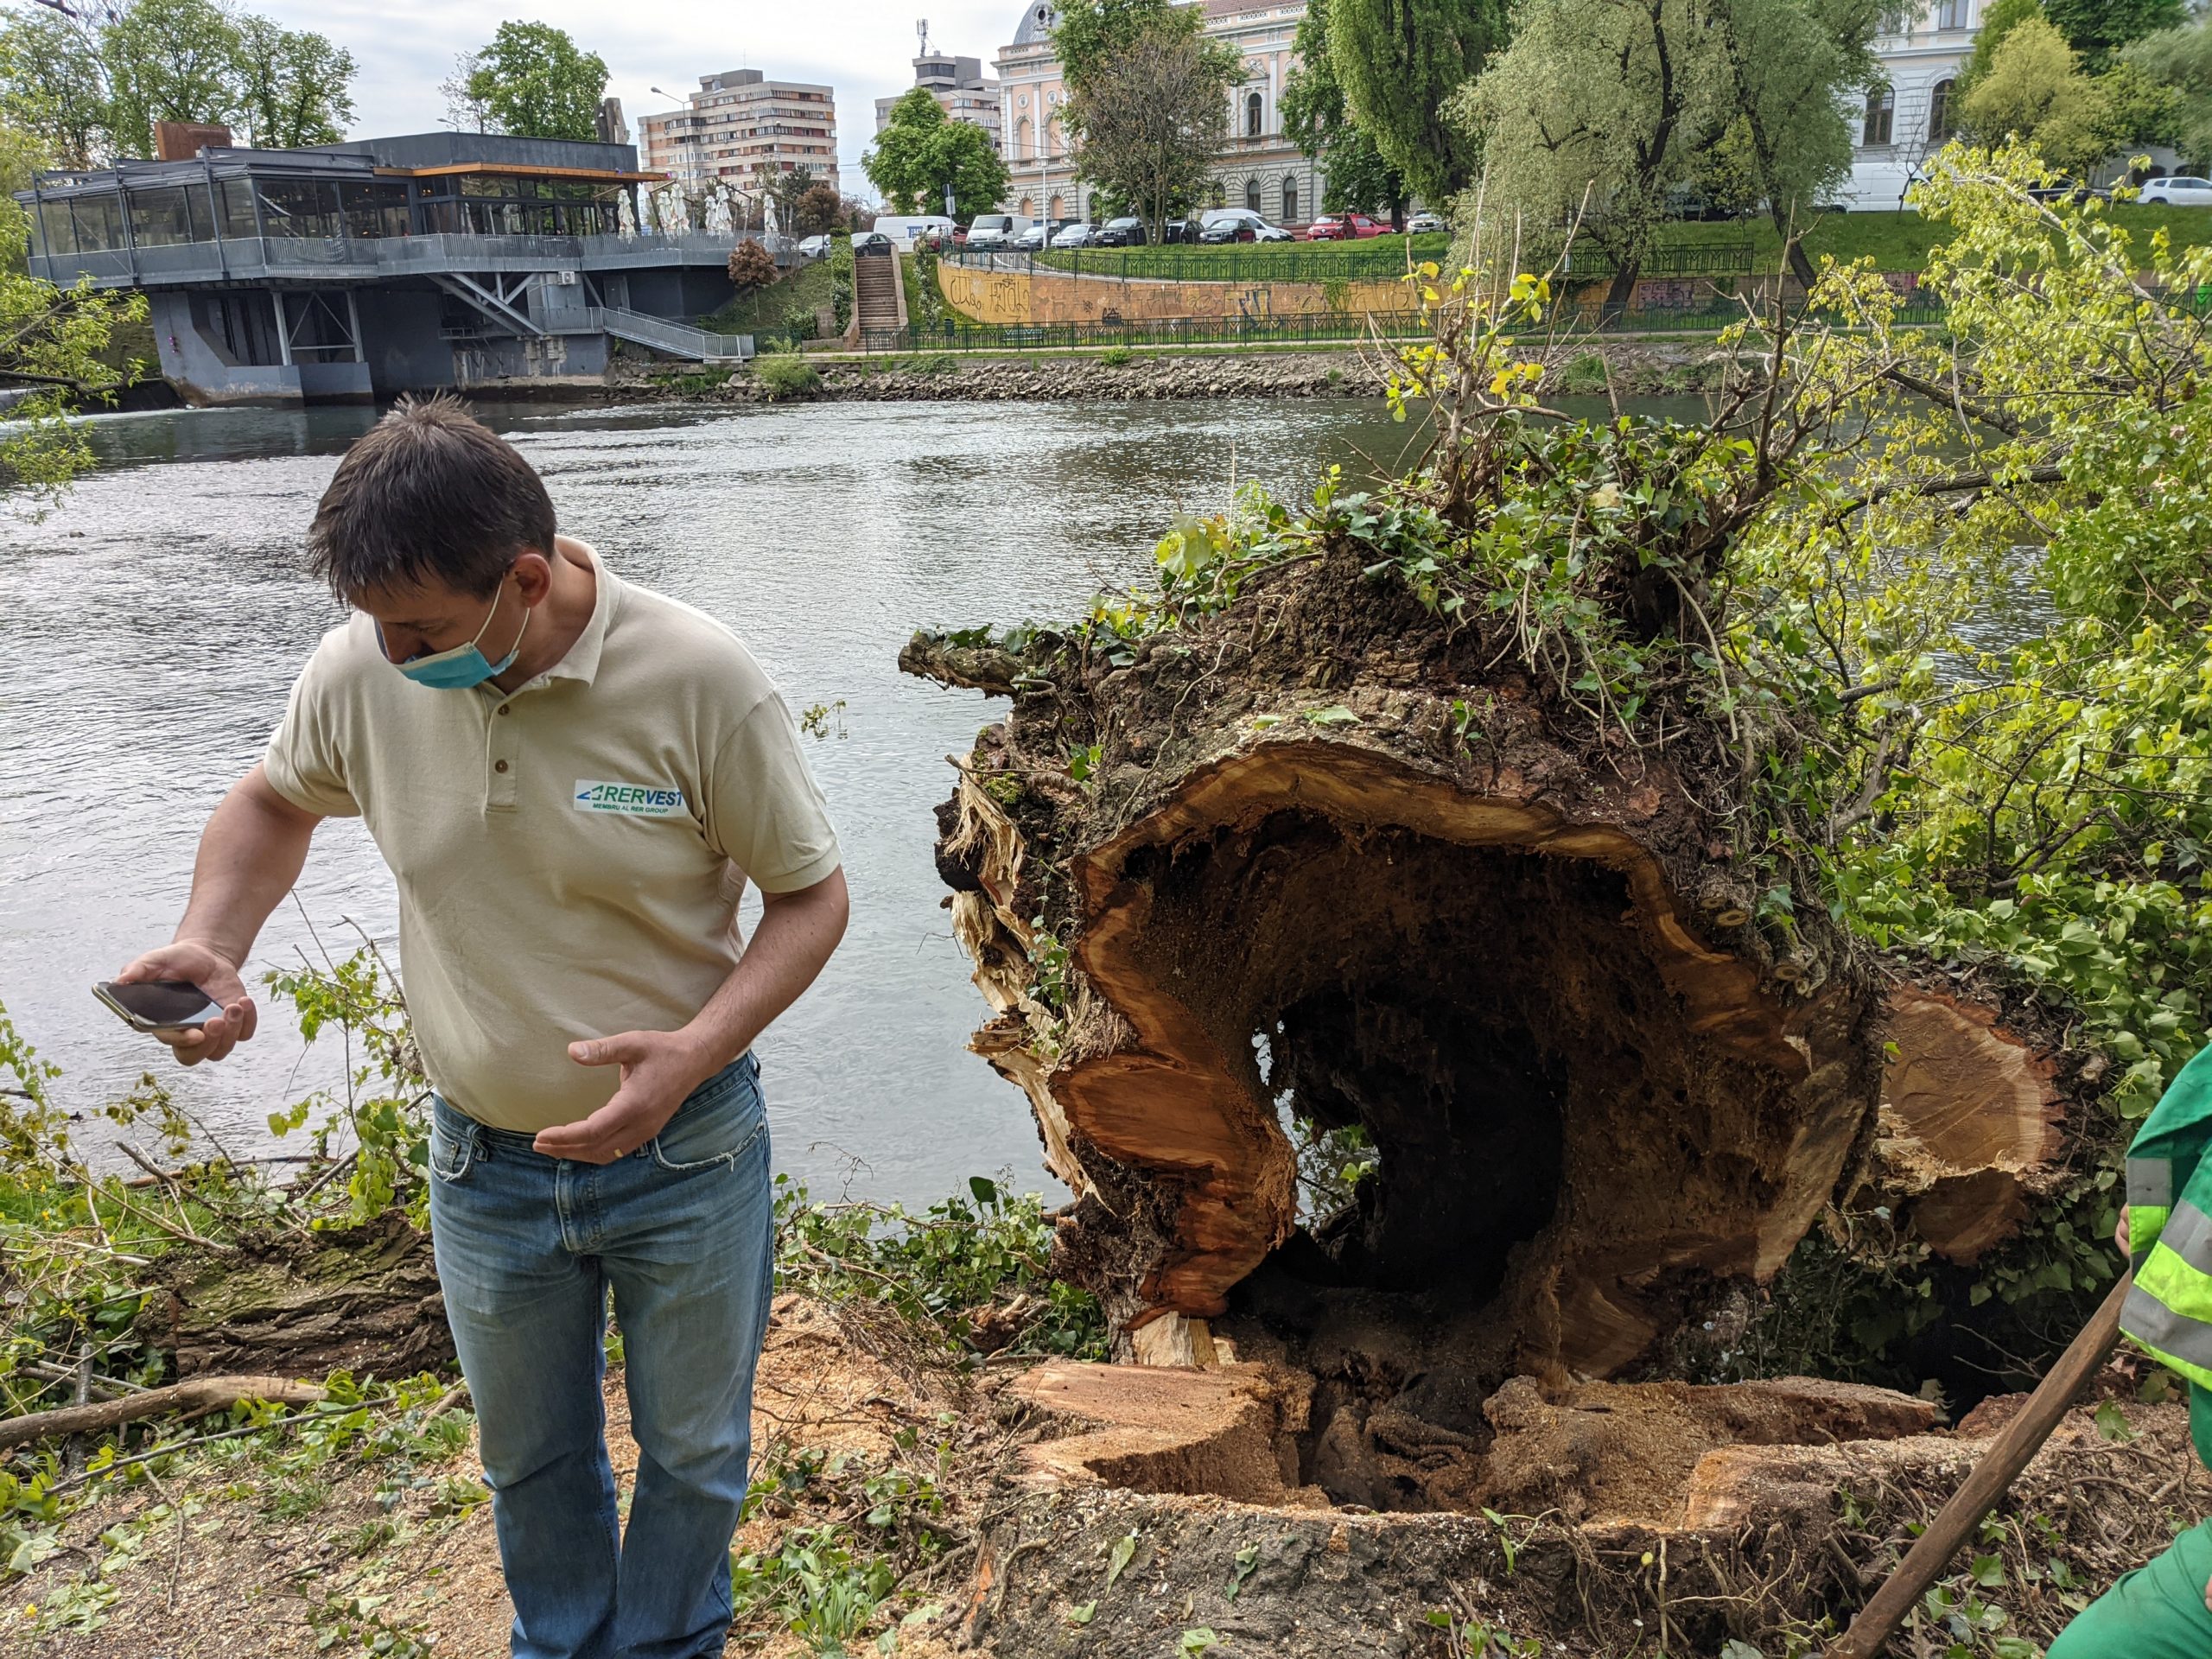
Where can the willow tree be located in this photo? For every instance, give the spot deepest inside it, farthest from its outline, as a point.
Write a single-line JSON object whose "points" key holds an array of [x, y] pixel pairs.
{"points": [[1398, 61], [1319, 121], [1596, 111]]}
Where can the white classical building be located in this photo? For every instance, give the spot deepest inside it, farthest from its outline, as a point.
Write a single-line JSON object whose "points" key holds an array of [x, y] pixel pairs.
{"points": [[1911, 114], [1260, 167]]}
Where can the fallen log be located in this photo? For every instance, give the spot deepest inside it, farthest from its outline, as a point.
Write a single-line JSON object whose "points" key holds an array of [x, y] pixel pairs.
{"points": [[195, 1395], [362, 1298], [1333, 865]]}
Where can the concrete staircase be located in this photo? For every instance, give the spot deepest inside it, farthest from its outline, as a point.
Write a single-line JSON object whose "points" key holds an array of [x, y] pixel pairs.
{"points": [[876, 307]]}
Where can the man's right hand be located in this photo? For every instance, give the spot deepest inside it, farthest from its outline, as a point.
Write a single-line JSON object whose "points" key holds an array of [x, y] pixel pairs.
{"points": [[211, 973]]}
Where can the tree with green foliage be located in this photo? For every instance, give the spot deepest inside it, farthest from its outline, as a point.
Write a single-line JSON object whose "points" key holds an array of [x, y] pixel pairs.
{"points": [[169, 60], [1152, 118], [533, 81], [1598, 109], [2180, 60], [295, 87], [90, 89], [1790, 64], [922, 153], [1320, 124], [1399, 61], [2098, 28], [1089, 34], [56, 343], [2034, 89], [1998, 19]]}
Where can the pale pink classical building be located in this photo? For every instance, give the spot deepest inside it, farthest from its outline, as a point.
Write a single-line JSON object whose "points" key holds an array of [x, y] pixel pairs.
{"points": [[1260, 167]]}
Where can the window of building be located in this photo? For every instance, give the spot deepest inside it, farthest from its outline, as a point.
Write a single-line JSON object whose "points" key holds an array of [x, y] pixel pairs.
{"points": [[1252, 194], [1021, 138], [1939, 113], [1253, 107], [98, 221], [1290, 201], [164, 217], [1952, 13], [1881, 112]]}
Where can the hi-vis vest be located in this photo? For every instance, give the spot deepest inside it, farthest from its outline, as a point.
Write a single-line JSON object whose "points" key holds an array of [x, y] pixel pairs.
{"points": [[2169, 1310]]}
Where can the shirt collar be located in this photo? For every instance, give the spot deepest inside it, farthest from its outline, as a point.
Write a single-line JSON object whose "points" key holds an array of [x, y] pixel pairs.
{"points": [[581, 661]]}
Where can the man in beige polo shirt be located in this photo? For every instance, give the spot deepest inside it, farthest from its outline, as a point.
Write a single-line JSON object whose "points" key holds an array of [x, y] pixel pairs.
{"points": [[572, 779]]}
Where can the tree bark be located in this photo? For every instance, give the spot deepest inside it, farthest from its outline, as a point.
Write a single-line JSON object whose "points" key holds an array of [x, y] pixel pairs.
{"points": [[200, 1394]]}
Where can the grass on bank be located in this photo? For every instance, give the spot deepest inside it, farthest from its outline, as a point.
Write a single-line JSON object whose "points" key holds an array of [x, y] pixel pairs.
{"points": [[1895, 240], [801, 290]]}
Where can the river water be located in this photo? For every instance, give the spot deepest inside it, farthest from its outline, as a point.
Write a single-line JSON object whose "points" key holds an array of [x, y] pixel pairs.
{"points": [[150, 626]]}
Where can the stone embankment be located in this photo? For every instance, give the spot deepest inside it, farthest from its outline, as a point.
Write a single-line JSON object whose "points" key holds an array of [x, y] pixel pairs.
{"points": [[1640, 369]]}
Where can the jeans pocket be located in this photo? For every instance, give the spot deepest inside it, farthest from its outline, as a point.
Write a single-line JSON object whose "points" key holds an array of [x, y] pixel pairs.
{"points": [[717, 1124], [453, 1144]]}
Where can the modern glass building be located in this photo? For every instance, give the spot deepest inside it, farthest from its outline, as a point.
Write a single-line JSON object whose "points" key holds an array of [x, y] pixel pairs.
{"points": [[363, 270]]}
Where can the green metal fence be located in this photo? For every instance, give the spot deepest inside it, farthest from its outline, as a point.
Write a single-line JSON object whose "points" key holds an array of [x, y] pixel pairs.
{"points": [[1377, 259]]}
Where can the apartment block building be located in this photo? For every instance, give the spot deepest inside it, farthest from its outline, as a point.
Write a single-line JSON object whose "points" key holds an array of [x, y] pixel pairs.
{"points": [[961, 88], [745, 128]]}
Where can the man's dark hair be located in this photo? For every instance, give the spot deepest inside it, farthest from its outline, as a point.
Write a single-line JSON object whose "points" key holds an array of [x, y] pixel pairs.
{"points": [[430, 494]]}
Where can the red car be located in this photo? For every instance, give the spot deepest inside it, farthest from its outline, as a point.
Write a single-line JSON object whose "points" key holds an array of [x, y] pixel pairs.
{"points": [[1344, 227]]}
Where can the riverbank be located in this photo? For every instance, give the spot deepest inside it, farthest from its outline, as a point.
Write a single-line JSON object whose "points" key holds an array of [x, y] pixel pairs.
{"points": [[1636, 368]]}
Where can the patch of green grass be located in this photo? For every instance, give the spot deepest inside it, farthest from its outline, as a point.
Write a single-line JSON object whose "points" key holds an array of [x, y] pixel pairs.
{"points": [[782, 375], [801, 289], [1903, 241]]}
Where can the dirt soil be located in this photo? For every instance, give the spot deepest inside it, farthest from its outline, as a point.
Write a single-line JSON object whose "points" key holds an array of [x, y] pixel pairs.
{"points": [[243, 1582], [1629, 1517]]}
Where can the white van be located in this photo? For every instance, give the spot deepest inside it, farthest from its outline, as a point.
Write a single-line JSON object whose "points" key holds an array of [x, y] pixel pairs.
{"points": [[904, 229]]}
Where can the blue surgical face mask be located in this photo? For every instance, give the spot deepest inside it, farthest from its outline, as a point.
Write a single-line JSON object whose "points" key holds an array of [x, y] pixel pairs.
{"points": [[463, 666]]}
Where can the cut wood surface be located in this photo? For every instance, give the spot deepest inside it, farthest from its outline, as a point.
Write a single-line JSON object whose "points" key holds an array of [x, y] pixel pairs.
{"points": [[1970, 1123], [199, 1394]]}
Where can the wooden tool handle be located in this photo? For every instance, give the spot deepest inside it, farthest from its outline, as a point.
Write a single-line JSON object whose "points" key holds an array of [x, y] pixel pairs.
{"points": [[2000, 1467]]}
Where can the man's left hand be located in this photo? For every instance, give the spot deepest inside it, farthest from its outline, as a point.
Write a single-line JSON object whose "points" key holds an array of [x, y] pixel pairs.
{"points": [[659, 1068]]}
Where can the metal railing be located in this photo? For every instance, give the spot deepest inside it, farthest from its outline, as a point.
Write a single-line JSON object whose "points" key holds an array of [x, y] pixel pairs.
{"points": [[1377, 259], [366, 258], [677, 339]]}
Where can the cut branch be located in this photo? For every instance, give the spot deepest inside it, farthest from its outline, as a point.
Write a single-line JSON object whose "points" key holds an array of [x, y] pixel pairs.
{"points": [[199, 1394]]}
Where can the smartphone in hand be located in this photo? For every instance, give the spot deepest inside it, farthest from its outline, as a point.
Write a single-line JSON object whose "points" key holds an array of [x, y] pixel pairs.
{"points": [[159, 1004]]}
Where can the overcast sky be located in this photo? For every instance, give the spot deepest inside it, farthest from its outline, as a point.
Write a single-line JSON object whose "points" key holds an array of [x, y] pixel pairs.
{"points": [[862, 48]]}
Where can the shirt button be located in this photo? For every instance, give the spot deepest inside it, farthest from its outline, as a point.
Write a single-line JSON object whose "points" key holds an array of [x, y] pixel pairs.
{"points": [[503, 707], [498, 765]]}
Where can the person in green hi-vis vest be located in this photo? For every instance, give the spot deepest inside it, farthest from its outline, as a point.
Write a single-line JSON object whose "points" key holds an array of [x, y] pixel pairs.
{"points": [[2163, 1611]]}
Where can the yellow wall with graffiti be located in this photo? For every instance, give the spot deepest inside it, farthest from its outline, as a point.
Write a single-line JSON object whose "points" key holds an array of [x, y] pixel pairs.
{"points": [[1021, 296]]}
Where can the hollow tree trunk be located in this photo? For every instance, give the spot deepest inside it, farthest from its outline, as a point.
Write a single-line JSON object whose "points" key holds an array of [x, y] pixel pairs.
{"points": [[1331, 864]]}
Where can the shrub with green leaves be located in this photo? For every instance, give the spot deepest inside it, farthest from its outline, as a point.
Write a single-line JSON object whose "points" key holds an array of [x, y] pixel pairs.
{"points": [[784, 376]]}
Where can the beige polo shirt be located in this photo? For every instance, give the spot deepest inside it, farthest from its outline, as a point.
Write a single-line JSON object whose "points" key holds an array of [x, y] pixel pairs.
{"points": [[569, 856]]}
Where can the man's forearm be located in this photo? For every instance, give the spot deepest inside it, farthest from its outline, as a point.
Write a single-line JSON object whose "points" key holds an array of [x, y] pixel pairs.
{"points": [[251, 853], [797, 933]]}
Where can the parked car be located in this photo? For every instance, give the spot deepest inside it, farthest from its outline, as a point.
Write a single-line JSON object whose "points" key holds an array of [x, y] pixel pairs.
{"points": [[1031, 239], [2181, 190], [905, 230], [1080, 234], [1424, 223], [991, 233], [1344, 227], [2075, 191], [1238, 225], [866, 243], [1127, 232], [814, 247]]}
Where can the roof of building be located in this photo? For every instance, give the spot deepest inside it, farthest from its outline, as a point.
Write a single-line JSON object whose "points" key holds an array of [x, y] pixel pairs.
{"points": [[1036, 23]]}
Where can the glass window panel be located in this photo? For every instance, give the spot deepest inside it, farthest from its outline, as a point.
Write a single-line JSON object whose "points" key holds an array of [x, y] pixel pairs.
{"points": [[301, 207], [98, 222], [161, 218], [237, 208], [56, 233]]}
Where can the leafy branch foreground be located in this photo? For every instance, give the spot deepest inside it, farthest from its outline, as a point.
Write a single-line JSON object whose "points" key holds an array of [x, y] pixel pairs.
{"points": [[373, 1463]]}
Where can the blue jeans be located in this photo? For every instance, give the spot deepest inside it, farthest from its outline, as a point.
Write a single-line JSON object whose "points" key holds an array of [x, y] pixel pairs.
{"points": [[682, 1231]]}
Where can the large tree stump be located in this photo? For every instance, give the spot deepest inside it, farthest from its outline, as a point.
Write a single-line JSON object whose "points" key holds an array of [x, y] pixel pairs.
{"points": [[1333, 859]]}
